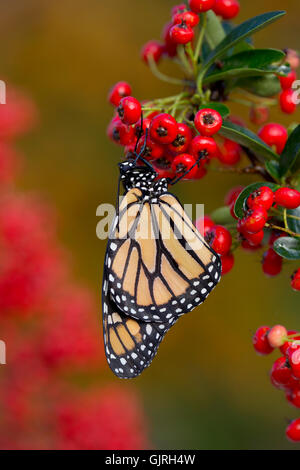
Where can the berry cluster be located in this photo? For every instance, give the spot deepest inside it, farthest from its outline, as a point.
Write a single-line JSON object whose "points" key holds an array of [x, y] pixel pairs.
{"points": [[285, 372]]}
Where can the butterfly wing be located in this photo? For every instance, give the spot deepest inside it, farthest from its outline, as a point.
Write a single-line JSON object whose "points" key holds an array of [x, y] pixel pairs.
{"points": [[158, 263], [130, 344]]}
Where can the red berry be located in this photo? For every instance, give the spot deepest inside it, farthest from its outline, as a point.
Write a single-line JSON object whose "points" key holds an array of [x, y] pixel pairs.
{"points": [[178, 9], [152, 49], [182, 140], [281, 373], [287, 101], [188, 17], [295, 283], [247, 246], [288, 343], [137, 128], [118, 91], [271, 263], [163, 128], [204, 224], [228, 9], [277, 336], [288, 198], [120, 133], [293, 431], [293, 355], [170, 45], [275, 234], [254, 220], [292, 58], [260, 341], [208, 121], [152, 151], [259, 114], [229, 152], [129, 110], [181, 33], [162, 166], [200, 6], [274, 135], [287, 81], [183, 163], [227, 263], [293, 397], [254, 239], [261, 197], [203, 148], [219, 239], [232, 195]]}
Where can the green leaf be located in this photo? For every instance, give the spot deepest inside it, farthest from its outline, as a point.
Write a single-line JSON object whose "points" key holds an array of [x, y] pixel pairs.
{"points": [[220, 107], [272, 168], [250, 63], [214, 31], [241, 32], [290, 157], [248, 139], [264, 86], [240, 204], [287, 247], [294, 221], [222, 216]]}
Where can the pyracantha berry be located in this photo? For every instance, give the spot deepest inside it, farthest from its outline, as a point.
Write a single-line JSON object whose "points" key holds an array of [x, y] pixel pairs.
{"points": [[293, 397], [287, 81], [183, 163], [260, 341], [163, 128], [178, 9], [281, 373], [119, 91], [261, 197], [152, 150], [274, 135], [254, 239], [170, 45], [288, 198], [293, 355], [129, 110], [182, 140], [277, 336], [204, 224], [200, 6], [232, 195], [203, 148], [153, 49], [228, 9], [137, 128], [288, 343], [259, 114], [227, 263], [219, 239], [181, 33], [293, 431], [188, 17], [208, 121], [163, 167], [255, 220], [229, 152], [120, 133], [287, 101], [271, 263], [295, 283]]}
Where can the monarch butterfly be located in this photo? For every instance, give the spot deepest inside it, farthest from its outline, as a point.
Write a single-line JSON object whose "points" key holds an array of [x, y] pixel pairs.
{"points": [[157, 267]]}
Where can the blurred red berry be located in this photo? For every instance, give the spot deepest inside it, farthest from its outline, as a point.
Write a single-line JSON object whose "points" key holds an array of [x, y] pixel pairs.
{"points": [[227, 263], [163, 128], [188, 17], [293, 397], [204, 224], [274, 135], [255, 220], [287, 101], [254, 239], [287, 81], [219, 239], [293, 355], [259, 114], [129, 110], [170, 45], [119, 91], [281, 373], [178, 9], [295, 283], [288, 343], [120, 133], [271, 263], [228, 9], [182, 140], [229, 152], [288, 198], [277, 336], [152, 49], [152, 150], [233, 194], [260, 341], [261, 197], [208, 121], [200, 6], [293, 431], [181, 33]]}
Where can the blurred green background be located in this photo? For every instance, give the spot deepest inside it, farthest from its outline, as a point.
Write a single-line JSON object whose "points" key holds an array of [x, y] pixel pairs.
{"points": [[207, 389]]}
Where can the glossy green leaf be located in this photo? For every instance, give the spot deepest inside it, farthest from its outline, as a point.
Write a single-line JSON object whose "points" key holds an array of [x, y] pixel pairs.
{"points": [[248, 139], [241, 32], [272, 168], [288, 247], [240, 204], [250, 63], [264, 86], [220, 107], [293, 220], [290, 157], [222, 216]]}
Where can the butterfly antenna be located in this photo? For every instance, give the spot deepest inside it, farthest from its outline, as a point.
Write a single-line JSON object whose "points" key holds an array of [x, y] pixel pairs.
{"points": [[175, 180], [141, 132]]}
